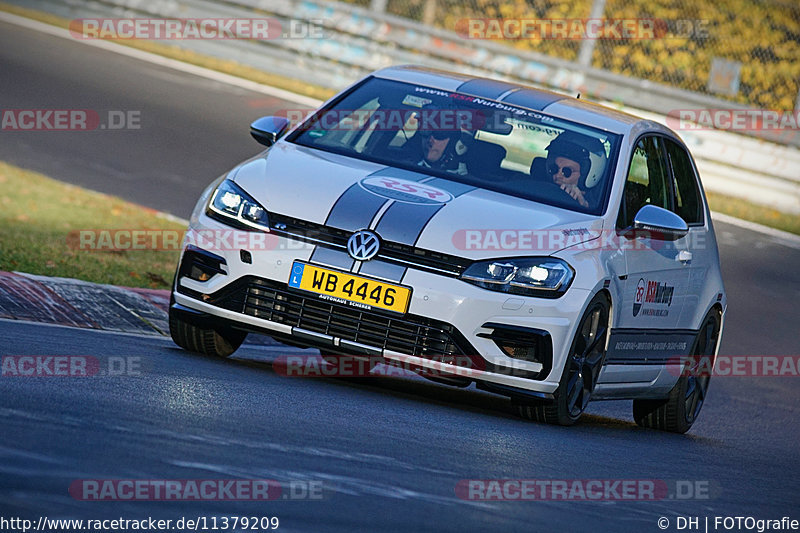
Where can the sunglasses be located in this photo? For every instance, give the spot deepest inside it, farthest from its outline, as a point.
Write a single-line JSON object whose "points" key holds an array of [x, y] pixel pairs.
{"points": [[564, 170], [438, 135]]}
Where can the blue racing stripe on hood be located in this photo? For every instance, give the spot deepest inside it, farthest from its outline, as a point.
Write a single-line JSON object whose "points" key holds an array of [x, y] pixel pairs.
{"points": [[356, 207], [354, 210], [404, 222]]}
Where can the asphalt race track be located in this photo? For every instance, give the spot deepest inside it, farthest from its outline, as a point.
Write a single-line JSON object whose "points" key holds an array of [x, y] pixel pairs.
{"points": [[388, 453]]}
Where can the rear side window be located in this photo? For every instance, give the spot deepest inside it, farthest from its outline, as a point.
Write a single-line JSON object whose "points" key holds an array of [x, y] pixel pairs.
{"points": [[647, 180], [687, 193]]}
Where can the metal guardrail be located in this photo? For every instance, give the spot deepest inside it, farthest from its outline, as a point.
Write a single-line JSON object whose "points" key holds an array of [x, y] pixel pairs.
{"points": [[357, 41]]}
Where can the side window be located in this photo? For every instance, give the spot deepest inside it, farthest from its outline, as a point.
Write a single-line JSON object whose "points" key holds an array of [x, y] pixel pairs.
{"points": [[647, 180], [687, 193]]}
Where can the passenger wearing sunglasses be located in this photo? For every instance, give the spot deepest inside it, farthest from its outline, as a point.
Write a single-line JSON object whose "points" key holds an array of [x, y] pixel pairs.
{"points": [[568, 164]]}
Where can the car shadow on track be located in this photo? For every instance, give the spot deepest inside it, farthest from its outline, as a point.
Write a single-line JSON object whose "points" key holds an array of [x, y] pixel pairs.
{"points": [[416, 388]]}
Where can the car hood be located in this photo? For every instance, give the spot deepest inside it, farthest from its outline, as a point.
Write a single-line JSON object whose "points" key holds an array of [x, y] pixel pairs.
{"points": [[409, 207]]}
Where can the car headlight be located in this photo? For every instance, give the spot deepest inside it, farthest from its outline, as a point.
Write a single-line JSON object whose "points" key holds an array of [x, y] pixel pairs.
{"points": [[230, 204], [545, 277]]}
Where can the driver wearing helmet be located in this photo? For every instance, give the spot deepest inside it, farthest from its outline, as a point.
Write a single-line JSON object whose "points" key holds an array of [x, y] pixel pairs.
{"points": [[576, 164], [441, 150]]}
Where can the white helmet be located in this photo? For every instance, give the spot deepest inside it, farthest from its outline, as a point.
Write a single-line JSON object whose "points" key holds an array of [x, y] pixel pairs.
{"points": [[597, 155]]}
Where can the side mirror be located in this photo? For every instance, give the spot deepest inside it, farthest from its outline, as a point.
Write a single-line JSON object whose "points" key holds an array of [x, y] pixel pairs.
{"points": [[267, 130], [661, 223]]}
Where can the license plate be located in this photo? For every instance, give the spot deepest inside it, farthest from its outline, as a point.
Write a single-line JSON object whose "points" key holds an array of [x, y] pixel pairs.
{"points": [[345, 288]]}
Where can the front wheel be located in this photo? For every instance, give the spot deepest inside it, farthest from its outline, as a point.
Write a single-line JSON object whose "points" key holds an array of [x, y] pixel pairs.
{"points": [[680, 410], [216, 342], [584, 362]]}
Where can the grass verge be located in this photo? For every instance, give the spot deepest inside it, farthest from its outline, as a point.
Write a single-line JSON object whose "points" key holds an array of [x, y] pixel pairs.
{"points": [[760, 214], [39, 221]]}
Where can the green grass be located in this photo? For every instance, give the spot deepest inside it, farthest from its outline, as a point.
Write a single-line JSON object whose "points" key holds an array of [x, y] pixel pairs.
{"points": [[39, 223]]}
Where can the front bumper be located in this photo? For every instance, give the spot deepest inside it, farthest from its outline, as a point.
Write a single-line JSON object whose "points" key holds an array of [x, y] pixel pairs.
{"points": [[452, 327]]}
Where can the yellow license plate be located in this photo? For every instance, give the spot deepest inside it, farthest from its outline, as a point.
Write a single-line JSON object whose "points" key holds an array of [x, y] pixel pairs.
{"points": [[345, 288]]}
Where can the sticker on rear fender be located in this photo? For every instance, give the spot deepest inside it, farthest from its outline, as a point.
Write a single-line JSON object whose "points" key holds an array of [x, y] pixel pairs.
{"points": [[348, 289]]}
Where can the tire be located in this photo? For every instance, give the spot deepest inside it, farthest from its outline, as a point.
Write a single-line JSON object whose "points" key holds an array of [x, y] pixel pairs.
{"points": [[219, 343], [582, 368], [680, 410]]}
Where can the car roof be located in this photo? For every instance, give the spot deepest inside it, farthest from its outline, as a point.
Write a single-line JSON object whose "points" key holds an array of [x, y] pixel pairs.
{"points": [[552, 103]]}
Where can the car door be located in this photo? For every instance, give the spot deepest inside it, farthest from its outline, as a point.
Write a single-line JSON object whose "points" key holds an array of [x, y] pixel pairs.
{"points": [[656, 280], [699, 245]]}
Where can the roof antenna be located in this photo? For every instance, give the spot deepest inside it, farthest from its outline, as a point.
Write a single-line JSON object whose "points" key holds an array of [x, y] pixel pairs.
{"points": [[578, 97]]}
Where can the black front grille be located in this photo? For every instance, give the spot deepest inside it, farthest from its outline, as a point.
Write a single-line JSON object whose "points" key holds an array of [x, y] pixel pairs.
{"points": [[408, 334], [392, 252]]}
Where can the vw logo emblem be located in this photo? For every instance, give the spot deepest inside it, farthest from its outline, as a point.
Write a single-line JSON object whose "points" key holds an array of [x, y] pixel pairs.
{"points": [[363, 245]]}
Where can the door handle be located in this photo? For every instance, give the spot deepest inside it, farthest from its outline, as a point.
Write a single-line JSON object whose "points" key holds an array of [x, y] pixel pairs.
{"points": [[684, 256]]}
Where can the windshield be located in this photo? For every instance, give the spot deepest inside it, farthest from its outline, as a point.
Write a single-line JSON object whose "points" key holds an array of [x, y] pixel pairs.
{"points": [[467, 139]]}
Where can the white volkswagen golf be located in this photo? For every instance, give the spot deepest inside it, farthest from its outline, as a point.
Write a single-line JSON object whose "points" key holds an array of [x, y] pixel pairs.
{"points": [[479, 232]]}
